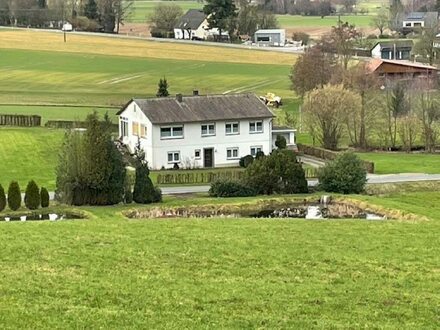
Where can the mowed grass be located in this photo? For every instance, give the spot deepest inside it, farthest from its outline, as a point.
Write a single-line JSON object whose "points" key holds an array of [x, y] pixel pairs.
{"points": [[29, 154], [388, 163], [100, 44], [110, 272], [298, 22], [57, 112], [142, 10]]}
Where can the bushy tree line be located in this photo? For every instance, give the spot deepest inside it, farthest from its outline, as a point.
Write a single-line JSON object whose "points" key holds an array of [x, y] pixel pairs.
{"points": [[91, 15], [355, 105], [33, 198]]}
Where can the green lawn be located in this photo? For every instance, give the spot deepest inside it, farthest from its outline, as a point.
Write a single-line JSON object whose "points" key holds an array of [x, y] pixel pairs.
{"points": [[110, 272], [387, 163], [29, 154], [295, 21], [84, 79], [143, 9]]}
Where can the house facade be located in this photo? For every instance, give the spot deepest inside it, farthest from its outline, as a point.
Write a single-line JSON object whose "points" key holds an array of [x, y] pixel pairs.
{"points": [[393, 50], [417, 20], [194, 26], [272, 37], [199, 131]]}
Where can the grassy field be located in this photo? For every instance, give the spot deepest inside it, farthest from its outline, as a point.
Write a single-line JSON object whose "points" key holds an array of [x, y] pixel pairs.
{"points": [[111, 272], [143, 9], [387, 163]]}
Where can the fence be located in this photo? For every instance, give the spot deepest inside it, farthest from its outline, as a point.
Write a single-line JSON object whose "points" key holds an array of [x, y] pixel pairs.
{"points": [[68, 124], [192, 177], [329, 155], [20, 120]]}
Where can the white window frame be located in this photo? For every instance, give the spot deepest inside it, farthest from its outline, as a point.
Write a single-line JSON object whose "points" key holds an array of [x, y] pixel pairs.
{"points": [[124, 127], [200, 154], [207, 129], [173, 153], [172, 136], [232, 128], [255, 123], [232, 149], [255, 150]]}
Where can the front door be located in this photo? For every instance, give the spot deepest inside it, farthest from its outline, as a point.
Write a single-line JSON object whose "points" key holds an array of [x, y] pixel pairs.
{"points": [[208, 157]]}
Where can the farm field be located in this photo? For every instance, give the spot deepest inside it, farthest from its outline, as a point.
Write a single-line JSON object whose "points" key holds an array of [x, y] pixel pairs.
{"points": [[388, 163], [223, 273]]}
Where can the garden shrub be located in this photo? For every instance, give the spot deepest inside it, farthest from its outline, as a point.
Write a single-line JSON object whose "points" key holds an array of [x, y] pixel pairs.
{"points": [[346, 174], [44, 196], [2, 198], [246, 161], [230, 188], [259, 155], [281, 142], [32, 198], [14, 196]]}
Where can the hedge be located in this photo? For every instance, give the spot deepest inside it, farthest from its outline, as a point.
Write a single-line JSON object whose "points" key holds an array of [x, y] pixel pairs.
{"points": [[329, 155], [67, 124], [197, 177], [20, 120]]}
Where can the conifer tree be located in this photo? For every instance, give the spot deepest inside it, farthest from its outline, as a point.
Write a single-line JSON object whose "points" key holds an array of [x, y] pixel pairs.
{"points": [[14, 196], [2, 198], [32, 198], [163, 88], [44, 196], [91, 9]]}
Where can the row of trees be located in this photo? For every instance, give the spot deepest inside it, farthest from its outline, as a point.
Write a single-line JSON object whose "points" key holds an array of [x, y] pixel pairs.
{"points": [[93, 15], [91, 170], [352, 104], [33, 198]]}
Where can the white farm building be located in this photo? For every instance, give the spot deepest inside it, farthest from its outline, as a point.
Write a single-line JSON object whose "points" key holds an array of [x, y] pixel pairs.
{"points": [[199, 131]]}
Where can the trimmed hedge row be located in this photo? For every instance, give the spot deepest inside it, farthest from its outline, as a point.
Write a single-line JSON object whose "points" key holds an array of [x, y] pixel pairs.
{"points": [[329, 155], [67, 124], [20, 120], [197, 177]]}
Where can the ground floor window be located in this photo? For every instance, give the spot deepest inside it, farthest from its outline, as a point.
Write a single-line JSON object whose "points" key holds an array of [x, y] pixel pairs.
{"points": [[255, 150], [174, 157], [197, 154], [124, 127], [232, 153]]}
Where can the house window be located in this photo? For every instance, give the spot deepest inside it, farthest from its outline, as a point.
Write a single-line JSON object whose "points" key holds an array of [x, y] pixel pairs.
{"points": [[135, 128], [256, 127], [173, 157], [255, 150], [208, 129], [408, 24], [171, 132], [232, 128], [143, 131], [124, 127], [232, 153], [197, 154]]}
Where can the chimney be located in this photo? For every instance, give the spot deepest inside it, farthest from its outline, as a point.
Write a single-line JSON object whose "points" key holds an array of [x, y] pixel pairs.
{"points": [[179, 98], [195, 92]]}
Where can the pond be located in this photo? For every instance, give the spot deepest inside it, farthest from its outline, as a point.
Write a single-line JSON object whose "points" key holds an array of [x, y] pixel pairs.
{"points": [[42, 217]]}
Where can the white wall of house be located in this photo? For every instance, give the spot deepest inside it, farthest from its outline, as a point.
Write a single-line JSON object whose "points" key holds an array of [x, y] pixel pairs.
{"points": [[157, 148], [376, 52], [202, 32], [413, 24]]}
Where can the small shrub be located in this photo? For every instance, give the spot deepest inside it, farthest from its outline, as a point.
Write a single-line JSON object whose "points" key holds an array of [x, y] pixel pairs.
{"points": [[2, 198], [176, 166], [230, 188], [281, 142], [246, 161], [44, 196], [346, 174], [301, 36], [259, 155], [14, 196], [32, 198]]}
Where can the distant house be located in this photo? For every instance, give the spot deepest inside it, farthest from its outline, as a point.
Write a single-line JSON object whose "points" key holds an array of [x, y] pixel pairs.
{"points": [[271, 37], [393, 50], [194, 26], [200, 131], [392, 69], [417, 20]]}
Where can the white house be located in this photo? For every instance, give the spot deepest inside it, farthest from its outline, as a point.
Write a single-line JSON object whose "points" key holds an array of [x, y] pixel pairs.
{"points": [[199, 131], [420, 20], [194, 26], [272, 37], [392, 50]]}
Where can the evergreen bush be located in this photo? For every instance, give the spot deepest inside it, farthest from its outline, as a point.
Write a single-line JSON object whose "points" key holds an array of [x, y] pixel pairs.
{"points": [[14, 196], [281, 142], [246, 161], [32, 198], [346, 174], [230, 188], [2, 198], [44, 196]]}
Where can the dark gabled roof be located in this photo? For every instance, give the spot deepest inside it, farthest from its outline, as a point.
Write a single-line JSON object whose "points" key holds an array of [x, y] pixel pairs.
{"points": [[421, 16], [202, 108], [191, 20], [398, 43]]}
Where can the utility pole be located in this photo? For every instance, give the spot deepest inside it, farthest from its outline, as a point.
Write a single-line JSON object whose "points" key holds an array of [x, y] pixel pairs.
{"points": [[63, 22]]}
